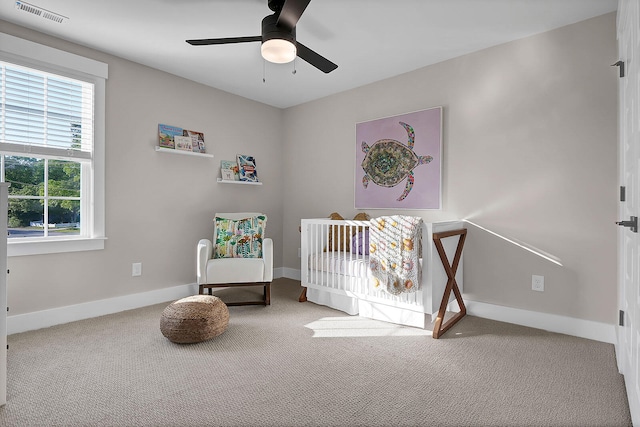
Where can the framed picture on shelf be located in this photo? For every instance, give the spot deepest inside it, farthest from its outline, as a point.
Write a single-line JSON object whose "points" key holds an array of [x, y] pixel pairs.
{"points": [[183, 143], [166, 135], [229, 170], [247, 168], [197, 140]]}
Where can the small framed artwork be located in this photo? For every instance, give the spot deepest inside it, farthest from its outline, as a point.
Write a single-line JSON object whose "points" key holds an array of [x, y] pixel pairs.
{"points": [[229, 170], [183, 143], [197, 140], [399, 161], [167, 134], [247, 168]]}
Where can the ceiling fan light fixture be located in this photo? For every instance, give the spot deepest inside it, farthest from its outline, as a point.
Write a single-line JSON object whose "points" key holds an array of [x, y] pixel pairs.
{"points": [[279, 51], [278, 37]]}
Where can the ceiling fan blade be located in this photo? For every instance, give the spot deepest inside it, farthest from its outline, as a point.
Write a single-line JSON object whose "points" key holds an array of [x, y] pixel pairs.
{"points": [[291, 12], [227, 40], [315, 59]]}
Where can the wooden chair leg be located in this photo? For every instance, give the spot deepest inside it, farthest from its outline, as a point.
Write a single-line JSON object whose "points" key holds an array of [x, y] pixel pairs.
{"points": [[439, 328], [200, 290], [267, 294]]}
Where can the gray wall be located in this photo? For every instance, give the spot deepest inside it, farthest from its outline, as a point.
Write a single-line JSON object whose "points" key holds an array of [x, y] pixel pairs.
{"points": [[529, 153], [158, 205]]}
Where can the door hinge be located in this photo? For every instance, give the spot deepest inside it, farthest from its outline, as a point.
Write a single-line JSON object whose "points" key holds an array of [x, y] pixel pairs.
{"points": [[621, 65], [621, 318], [623, 193]]}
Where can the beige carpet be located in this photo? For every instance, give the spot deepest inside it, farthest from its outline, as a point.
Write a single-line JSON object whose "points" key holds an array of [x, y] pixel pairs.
{"points": [[300, 364]]}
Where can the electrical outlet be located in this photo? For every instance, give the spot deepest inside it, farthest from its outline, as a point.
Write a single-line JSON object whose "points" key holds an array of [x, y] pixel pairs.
{"points": [[136, 269], [537, 283]]}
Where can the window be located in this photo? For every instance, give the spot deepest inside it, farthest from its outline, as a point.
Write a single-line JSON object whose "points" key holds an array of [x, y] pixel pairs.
{"points": [[52, 152], [46, 124]]}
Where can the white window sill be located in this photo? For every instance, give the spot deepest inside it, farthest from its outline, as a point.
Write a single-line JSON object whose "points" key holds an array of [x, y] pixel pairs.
{"points": [[26, 246]]}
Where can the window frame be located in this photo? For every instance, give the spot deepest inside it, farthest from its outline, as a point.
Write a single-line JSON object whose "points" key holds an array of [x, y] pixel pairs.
{"points": [[44, 58]]}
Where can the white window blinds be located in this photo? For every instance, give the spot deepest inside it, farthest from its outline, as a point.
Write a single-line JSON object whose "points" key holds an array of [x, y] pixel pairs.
{"points": [[44, 114]]}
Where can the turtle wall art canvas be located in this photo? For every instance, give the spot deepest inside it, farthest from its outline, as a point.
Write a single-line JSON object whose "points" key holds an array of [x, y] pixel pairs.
{"points": [[399, 161]]}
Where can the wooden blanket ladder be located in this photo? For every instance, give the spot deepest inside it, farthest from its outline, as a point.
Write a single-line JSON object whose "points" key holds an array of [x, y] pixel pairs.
{"points": [[439, 327]]}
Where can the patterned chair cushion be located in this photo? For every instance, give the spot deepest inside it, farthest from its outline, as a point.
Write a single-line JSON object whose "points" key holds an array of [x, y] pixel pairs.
{"points": [[239, 238]]}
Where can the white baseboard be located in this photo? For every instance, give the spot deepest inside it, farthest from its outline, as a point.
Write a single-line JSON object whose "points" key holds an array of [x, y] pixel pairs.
{"points": [[279, 272], [582, 328], [71, 313], [589, 329], [290, 273], [550, 322]]}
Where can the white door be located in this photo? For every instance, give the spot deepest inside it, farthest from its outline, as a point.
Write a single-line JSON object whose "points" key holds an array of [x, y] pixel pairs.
{"points": [[628, 240], [3, 292]]}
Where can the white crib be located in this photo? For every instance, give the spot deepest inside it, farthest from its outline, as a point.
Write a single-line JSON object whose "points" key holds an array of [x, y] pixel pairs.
{"points": [[339, 279]]}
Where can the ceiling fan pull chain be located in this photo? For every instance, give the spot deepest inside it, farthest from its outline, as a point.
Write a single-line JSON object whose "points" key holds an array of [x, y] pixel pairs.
{"points": [[294, 67], [264, 67]]}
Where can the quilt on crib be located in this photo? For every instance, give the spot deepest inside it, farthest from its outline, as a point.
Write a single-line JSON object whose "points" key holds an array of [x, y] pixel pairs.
{"points": [[395, 244]]}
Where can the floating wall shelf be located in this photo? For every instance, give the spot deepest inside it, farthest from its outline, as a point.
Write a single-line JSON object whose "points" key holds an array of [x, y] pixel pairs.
{"points": [[188, 153], [226, 181]]}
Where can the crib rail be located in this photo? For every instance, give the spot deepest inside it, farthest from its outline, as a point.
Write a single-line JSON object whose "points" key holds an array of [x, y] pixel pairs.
{"points": [[334, 258], [326, 253]]}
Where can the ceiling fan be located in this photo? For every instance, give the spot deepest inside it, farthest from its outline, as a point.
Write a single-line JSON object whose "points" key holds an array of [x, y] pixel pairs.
{"points": [[278, 37]]}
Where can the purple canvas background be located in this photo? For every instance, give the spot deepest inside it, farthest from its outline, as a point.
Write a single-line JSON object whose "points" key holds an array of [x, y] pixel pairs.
{"points": [[427, 125]]}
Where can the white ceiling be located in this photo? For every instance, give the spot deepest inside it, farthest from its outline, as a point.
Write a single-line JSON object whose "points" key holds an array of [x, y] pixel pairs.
{"points": [[370, 40]]}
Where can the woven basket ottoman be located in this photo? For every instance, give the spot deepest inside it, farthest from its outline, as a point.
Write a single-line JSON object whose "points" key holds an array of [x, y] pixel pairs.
{"points": [[194, 319]]}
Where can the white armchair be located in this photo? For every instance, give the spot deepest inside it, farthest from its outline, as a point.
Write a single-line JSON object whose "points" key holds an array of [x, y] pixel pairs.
{"points": [[231, 272]]}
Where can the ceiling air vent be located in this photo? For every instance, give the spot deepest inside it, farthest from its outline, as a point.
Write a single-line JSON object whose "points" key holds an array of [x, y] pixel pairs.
{"points": [[38, 11]]}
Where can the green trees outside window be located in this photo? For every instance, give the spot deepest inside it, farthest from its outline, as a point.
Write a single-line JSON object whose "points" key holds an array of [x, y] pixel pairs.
{"points": [[44, 195]]}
